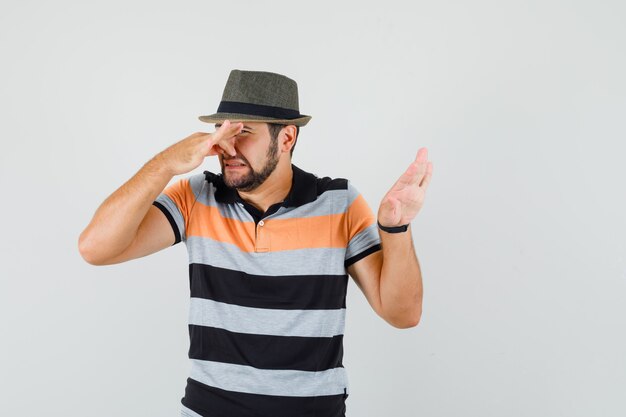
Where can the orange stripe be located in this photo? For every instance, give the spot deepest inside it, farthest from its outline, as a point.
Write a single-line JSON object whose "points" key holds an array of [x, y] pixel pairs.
{"points": [[181, 194], [275, 235], [360, 216], [207, 221], [327, 231]]}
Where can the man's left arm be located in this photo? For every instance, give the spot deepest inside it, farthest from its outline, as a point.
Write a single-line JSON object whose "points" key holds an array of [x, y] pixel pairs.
{"points": [[391, 279]]}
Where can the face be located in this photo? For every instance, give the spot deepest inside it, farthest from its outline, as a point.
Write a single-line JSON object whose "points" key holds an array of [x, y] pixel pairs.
{"points": [[256, 150]]}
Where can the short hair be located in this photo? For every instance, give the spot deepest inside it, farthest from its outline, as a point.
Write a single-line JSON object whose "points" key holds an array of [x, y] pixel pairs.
{"points": [[275, 129]]}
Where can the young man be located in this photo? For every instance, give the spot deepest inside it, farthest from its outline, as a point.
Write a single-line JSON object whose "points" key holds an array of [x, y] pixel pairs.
{"points": [[270, 249]]}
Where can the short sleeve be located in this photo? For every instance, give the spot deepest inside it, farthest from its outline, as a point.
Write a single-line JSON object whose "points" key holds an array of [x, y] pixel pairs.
{"points": [[173, 202], [363, 237]]}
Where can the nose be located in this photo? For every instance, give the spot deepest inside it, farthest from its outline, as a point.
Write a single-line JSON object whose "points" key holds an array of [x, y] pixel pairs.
{"points": [[232, 142]]}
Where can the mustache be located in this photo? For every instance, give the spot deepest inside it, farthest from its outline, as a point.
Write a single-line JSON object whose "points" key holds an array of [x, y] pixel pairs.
{"points": [[235, 158]]}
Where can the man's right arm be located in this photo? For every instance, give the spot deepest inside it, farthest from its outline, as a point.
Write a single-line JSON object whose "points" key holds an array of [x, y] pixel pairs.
{"points": [[127, 225]]}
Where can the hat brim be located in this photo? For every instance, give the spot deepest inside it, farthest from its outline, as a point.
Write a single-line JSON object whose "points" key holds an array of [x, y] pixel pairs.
{"points": [[236, 117]]}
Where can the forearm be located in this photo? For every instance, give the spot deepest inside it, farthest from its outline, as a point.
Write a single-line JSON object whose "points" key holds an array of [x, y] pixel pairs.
{"points": [[401, 279], [116, 221]]}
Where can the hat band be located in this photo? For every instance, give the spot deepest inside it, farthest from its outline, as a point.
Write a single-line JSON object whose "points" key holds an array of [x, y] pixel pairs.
{"points": [[257, 110]]}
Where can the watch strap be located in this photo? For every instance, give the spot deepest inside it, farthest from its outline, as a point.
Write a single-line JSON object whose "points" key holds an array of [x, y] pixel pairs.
{"points": [[395, 229]]}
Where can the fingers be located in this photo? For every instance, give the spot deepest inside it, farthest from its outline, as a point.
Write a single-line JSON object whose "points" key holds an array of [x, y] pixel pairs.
{"points": [[421, 161], [411, 175], [428, 176], [222, 136], [426, 168], [408, 177], [422, 155], [417, 170], [421, 166]]}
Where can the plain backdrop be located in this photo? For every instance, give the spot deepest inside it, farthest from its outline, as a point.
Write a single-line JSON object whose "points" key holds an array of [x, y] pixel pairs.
{"points": [[521, 239]]}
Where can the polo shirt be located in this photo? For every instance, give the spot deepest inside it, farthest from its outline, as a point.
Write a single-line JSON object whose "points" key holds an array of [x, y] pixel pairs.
{"points": [[268, 293]]}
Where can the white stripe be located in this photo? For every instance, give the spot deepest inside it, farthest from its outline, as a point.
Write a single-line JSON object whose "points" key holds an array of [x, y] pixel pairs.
{"points": [[242, 378], [187, 412], [306, 323]]}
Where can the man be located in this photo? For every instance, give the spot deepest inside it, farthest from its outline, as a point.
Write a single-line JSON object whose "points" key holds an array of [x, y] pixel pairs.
{"points": [[270, 249]]}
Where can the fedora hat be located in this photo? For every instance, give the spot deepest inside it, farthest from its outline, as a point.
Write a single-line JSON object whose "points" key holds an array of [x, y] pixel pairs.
{"points": [[259, 96]]}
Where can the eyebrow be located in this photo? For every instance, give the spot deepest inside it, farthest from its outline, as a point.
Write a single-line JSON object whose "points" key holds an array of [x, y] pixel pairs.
{"points": [[217, 125]]}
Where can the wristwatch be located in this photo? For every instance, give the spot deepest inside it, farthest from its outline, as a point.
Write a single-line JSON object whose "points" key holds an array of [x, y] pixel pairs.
{"points": [[396, 229]]}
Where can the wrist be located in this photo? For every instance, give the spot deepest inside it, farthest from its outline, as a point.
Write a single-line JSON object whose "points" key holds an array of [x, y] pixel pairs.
{"points": [[158, 164], [393, 229]]}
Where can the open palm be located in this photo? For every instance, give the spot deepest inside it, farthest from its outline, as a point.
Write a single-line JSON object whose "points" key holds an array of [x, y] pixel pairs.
{"points": [[405, 198]]}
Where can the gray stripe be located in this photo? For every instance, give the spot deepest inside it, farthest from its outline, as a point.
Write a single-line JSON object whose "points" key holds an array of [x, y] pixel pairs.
{"points": [[329, 202], [352, 193], [233, 211], [273, 322], [204, 193], [169, 204], [310, 261], [198, 184], [364, 239], [187, 412], [252, 380]]}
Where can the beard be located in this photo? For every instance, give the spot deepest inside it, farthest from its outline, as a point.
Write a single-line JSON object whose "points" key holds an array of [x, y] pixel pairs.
{"points": [[252, 179]]}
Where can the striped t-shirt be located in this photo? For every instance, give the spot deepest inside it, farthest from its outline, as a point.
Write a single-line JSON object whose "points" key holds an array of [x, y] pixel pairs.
{"points": [[268, 293]]}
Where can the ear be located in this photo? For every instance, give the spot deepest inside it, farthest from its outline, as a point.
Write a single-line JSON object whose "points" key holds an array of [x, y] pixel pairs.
{"points": [[288, 138]]}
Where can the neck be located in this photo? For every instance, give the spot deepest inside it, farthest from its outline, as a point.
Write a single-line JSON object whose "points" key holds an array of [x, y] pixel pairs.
{"points": [[275, 188]]}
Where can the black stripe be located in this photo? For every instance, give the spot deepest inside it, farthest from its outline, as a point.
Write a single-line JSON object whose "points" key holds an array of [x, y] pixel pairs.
{"points": [[213, 402], [171, 220], [257, 110], [362, 255], [287, 292], [326, 184], [265, 351]]}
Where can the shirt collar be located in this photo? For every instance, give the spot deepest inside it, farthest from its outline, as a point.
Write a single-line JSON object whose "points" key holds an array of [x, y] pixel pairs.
{"points": [[303, 188]]}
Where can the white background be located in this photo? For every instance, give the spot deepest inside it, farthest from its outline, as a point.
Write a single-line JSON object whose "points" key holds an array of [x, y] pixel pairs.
{"points": [[521, 105]]}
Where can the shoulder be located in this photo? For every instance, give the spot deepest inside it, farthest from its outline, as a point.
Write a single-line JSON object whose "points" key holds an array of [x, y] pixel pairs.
{"points": [[195, 182], [345, 185], [327, 183], [341, 185], [321, 183], [342, 189]]}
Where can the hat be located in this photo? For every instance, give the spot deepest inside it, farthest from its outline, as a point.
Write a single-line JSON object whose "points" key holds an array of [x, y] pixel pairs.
{"points": [[259, 96]]}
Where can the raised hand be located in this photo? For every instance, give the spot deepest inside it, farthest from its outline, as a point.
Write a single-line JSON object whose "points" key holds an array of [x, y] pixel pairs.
{"points": [[405, 198], [188, 153]]}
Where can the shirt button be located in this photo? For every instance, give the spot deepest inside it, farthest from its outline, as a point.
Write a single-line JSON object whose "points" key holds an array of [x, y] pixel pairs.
{"points": [[261, 223]]}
